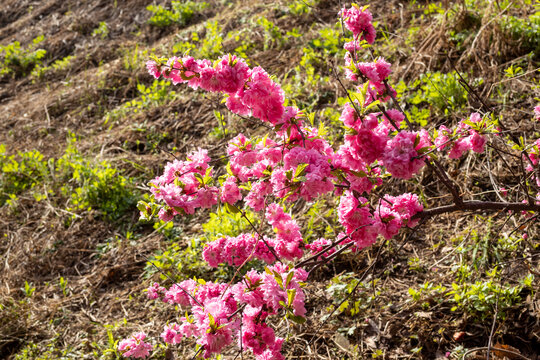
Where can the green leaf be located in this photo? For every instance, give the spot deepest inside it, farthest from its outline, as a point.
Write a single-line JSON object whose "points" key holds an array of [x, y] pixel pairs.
{"points": [[199, 178], [291, 294], [278, 278], [289, 278], [300, 170], [297, 319], [231, 208]]}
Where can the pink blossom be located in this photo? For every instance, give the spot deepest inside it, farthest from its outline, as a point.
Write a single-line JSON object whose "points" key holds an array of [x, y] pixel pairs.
{"points": [[172, 334], [401, 157], [288, 235], [359, 23], [376, 71], [155, 291], [256, 199], [263, 96], [135, 346], [537, 112], [230, 193], [443, 138], [153, 69], [356, 218]]}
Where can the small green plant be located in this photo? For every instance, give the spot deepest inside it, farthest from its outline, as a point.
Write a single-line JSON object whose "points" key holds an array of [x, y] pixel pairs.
{"points": [[102, 30], [149, 96], [341, 290], [208, 47], [220, 131], [56, 67], [91, 184], [299, 7], [63, 285], [29, 289], [434, 92], [272, 33], [181, 13], [133, 58], [19, 61], [20, 172], [479, 298], [525, 32]]}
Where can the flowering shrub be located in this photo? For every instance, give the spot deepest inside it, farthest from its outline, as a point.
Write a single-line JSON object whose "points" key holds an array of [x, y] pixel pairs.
{"points": [[296, 162]]}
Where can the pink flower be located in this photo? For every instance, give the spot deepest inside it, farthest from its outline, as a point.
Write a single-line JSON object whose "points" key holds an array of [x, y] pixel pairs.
{"points": [[135, 346], [231, 73], [477, 141], [230, 193], [172, 334], [359, 23], [443, 138], [153, 68], [256, 199], [537, 112], [375, 72], [401, 157], [263, 96], [155, 291], [356, 218]]}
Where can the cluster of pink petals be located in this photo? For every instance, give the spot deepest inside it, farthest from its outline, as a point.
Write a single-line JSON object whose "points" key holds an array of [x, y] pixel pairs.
{"points": [[355, 216], [359, 22], [318, 246], [375, 72], [180, 189], [532, 165], [288, 236], [395, 212], [135, 346], [249, 91], [537, 112], [236, 250], [463, 139], [217, 310], [230, 193], [250, 159], [315, 179], [403, 154]]}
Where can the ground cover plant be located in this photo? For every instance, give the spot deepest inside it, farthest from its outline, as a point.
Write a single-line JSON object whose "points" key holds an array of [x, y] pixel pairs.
{"points": [[369, 187]]}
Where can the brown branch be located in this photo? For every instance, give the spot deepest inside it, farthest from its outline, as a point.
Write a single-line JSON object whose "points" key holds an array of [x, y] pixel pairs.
{"points": [[474, 205]]}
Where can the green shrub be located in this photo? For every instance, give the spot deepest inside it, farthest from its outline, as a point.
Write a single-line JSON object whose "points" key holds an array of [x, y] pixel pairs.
{"points": [[91, 184], [180, 13], [20, 172], [19, 61], [525, 32]]}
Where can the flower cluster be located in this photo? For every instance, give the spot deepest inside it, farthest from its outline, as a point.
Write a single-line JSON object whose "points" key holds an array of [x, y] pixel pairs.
{"points": [[359, 22], [185, 186], [135, 346], [237, 250], [221, 314], [467, 136], [533, 163], [249, 91]]}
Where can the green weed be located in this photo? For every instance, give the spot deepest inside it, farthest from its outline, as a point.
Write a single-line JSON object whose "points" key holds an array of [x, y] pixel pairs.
{"points": [[20, 172], [19, 61], [91, 184], [102, 30], [208, 47], [181, 13]]}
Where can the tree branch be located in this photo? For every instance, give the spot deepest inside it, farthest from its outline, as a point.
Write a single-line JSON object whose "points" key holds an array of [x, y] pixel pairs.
{"points": [[474, 205]]}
